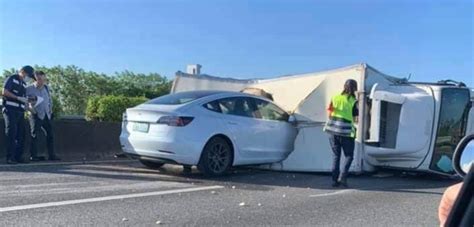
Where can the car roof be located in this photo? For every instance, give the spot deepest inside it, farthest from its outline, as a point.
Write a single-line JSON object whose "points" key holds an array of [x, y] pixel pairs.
{"points": [[202, 92], [218, 94], [208, 93]]}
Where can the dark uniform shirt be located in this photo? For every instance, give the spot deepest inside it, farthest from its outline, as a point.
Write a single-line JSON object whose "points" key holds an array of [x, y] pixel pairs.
{"points": [[16, 86]]}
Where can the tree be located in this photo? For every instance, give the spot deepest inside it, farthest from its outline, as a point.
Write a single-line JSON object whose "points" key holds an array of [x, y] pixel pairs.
{"points": [[72, 86], [150, 86], [6, 73]]}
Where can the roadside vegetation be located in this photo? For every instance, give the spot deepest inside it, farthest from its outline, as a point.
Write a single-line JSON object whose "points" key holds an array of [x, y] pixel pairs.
{"points": [[98, 96]]}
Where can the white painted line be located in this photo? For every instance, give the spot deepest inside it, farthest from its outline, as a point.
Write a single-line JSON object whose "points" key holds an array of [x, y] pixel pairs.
{"points": [[66, 163], [333, 193], [106, 198], [16, 187]]}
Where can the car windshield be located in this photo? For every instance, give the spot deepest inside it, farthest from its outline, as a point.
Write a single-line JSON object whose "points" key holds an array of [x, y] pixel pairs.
{"points": [[180, 98]]}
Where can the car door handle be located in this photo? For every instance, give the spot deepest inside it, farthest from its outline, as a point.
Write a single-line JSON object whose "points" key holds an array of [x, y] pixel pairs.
{"points": [[232, 123]]}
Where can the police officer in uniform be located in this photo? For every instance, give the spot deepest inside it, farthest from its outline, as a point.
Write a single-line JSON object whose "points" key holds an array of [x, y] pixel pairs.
{"points": [[343, 112], [14, 103]]}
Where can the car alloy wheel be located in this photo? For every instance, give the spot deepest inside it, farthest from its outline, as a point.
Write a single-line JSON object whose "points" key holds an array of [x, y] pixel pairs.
{"points": [[216, 158]]}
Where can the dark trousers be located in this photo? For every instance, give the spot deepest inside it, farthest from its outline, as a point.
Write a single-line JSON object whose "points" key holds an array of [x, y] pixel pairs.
{"points": [[347, 145], [35, 125], [14, 133]]}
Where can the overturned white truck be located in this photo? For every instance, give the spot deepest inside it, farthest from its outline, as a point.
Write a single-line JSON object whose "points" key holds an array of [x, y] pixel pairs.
{"points": [[403, 125]]}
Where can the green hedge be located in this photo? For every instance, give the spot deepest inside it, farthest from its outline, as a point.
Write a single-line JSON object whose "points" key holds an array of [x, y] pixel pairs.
{"points": [[57, 109], [91, 108], [110, 108]]}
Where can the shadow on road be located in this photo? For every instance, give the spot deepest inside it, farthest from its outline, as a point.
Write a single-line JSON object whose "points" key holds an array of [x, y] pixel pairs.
{"points": [[248, 178], [115, 171]]}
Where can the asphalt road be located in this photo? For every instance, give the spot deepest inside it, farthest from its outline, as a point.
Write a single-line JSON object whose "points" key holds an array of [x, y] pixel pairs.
{"points": [[127, 194]]}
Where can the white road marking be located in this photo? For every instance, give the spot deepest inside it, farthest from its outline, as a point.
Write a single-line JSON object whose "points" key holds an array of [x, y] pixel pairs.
{"points": [[16, 187], [106, 198], [333, 193], [95, 186]]}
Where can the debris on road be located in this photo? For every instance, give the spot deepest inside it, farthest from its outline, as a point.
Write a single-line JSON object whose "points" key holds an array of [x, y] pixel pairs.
{"points": [[242, 204], [159, 222], [124, 219]]}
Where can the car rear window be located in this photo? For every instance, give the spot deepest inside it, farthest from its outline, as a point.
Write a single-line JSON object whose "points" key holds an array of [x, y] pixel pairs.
{"points": [[180, 98]]}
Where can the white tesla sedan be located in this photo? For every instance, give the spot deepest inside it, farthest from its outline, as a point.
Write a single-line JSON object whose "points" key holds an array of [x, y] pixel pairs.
{"points": [[211, 129]]}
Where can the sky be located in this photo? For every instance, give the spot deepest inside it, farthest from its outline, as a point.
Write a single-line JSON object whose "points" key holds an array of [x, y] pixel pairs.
{"points": [[467, 157], [431, 40]]}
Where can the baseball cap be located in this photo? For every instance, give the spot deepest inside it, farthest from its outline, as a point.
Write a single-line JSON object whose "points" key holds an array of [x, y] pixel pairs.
{"points": [[28, 70]]}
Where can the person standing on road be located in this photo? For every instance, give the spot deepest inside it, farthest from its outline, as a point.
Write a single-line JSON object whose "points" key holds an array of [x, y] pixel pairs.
{"points": [[343, 112], [14, 103], [41, 117]]}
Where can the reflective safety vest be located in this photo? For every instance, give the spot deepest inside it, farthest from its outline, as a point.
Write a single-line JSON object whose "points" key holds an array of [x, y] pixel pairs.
{"points": [[16, 86], [340, 121]]}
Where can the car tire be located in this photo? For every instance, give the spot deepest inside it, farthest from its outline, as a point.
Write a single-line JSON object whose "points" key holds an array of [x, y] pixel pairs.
{"points": [[216, 158], [152, 164]]}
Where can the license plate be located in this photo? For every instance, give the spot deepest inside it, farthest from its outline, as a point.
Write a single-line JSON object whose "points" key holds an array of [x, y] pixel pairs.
{"points": [[140, 127]]}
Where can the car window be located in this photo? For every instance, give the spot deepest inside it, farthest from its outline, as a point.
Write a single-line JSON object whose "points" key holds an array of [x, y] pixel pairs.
{"points": [[270, 111], [239, 106], [213, 106]]}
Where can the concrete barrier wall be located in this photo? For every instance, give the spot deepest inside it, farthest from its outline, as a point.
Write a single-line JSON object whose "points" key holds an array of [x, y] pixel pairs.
{"points": [[75, 140]]}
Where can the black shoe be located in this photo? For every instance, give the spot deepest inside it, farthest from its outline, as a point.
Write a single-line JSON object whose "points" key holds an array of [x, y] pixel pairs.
{"points": [[54, 158], [335, 184], [11, 162], [344, 183], [37, 159]]}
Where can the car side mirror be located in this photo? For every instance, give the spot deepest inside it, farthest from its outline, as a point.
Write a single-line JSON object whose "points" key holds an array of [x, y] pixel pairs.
{"points": [[292, 119], [463, 158]]}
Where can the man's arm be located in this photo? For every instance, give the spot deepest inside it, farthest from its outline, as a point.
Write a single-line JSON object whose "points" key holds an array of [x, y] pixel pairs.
{"points": [[447, 202], [6, 91], [330, 109], [50, 99], [8, 94], [7, 87], [355, 112]]}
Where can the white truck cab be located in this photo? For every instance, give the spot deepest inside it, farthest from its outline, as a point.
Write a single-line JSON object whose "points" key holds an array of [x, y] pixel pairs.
{"points": [[417, 125]]}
